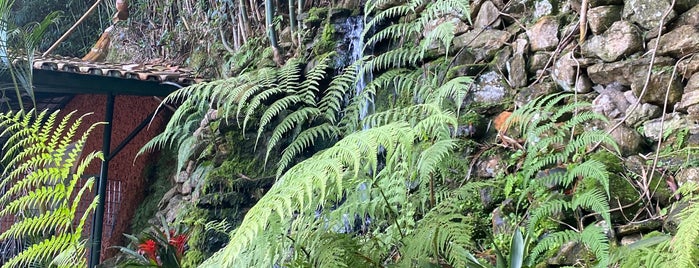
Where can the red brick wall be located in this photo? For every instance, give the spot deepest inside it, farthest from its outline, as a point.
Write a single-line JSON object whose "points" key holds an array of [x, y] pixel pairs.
{"points": [[129, 111]]}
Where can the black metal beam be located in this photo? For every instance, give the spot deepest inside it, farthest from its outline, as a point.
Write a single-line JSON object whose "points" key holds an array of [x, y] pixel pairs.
{"points": [[77, 83], [96, 237], [132, 135]]}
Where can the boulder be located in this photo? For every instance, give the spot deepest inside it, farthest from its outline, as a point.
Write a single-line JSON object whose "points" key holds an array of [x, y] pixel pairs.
{"points": [[517, 71], [569, 75], [628, 140], [681, 41], [543, 35], [528, 94], [673, 121], [647, 13], [691, 17], [602, 17], [688, 66], [691, 94], [490, 88], [690, 174], [488, 16], [643, 112], [483, 44], [611, 102], [622, 39], [660, 82], [630, 239], [537, 61], [624, 72]]}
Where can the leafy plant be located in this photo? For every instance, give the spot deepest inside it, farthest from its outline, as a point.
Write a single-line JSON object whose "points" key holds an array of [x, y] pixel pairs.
{"points": [[158, 246], [555, 158], [40, 178]]}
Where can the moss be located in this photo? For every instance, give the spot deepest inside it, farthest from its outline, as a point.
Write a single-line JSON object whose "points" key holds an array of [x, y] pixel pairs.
{"points": [[326, 43], [316, 15], [620, 189], [158, 178]]}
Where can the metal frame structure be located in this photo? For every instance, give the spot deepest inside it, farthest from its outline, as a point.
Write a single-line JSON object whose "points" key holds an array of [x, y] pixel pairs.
{"points": [[58, 82]]}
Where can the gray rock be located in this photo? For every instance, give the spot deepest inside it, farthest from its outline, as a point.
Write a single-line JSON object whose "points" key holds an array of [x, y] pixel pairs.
{"points": [[611, 103], [543, 35], [673, 121], [490, 88], [537, 61], [527, 94], [186, 188], [568, 255], [569, 75], [630, 239], [602, 17], [643, 112], [543, 8], [691, 17], [517, 71], [681, 41], [628, 140], [624, 72], [660, 82], [690, 174], [688, 66], [622, 39], [647, 13], [488, 16], [691, 93], [483, 44], [489, 167]]}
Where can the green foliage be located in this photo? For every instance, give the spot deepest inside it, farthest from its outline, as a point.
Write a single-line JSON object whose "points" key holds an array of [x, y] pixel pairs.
{"points": [[158, 246], [41, 174], [555, 157]]}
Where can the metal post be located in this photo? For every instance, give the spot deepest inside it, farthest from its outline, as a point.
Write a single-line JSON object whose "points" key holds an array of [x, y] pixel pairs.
{"points": [[102, 186]]}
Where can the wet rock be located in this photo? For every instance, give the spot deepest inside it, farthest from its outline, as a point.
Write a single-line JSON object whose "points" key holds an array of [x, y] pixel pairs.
{"points": [[625, 72], [628, 140], [630, 239], [687, 67], [647, 13], [691, 94], [611, 102], [643, 112], [622, 39], [660, 82], [488, 16], [483, 44], [602, 17], [568, 74], [543, 35], [690, 174], [681, 41]]}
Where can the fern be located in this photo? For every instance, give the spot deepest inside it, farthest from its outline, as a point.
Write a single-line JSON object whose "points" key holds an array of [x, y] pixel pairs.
{"points": [[44, 173]]}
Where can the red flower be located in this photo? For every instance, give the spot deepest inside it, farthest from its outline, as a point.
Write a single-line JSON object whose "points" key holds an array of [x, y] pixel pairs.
{"points": [[178, 242], [148, 249]]}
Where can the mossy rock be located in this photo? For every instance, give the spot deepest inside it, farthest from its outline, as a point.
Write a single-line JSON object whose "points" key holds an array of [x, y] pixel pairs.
{"points": [[622, 192]]}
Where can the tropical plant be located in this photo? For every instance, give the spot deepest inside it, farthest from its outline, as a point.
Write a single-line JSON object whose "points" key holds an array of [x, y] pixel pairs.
{"points": [[158, 246], [41, 175], [555, 158]]}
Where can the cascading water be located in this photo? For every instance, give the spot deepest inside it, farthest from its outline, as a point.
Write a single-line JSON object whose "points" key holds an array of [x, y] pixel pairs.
{"points": [[353, 29]]}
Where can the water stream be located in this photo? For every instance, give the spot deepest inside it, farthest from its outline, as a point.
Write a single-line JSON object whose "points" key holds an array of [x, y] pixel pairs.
{"points": [[352, 29]]}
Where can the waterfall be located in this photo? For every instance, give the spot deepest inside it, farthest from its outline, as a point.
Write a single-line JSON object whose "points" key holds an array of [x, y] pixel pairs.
{"points": [[352, 29]]}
